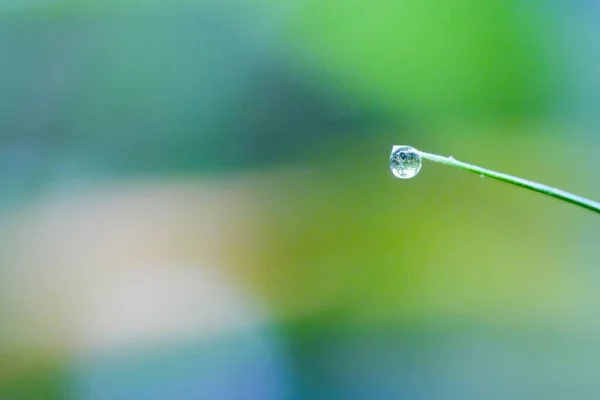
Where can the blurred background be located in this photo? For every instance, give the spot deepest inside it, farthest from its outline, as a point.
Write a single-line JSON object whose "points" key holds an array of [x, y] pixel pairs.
{"points": [[196, 202]]}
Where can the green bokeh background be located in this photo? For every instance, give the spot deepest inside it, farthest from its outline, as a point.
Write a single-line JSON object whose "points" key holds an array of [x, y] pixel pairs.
{"points": [[283, 114]]}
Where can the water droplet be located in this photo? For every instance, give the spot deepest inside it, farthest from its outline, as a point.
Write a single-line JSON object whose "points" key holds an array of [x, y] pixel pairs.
{"points": [[405, 162]]}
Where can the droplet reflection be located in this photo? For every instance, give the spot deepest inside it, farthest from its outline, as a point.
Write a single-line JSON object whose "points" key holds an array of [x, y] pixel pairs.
{"points": [[405, 162]]}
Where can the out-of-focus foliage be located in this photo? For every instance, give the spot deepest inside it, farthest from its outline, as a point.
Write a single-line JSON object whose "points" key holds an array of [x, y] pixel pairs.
{"points": [[196, 201], [441, 59]]}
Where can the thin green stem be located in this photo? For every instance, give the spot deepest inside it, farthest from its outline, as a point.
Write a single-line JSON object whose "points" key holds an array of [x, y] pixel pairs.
{"points": [[513, 180]]}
